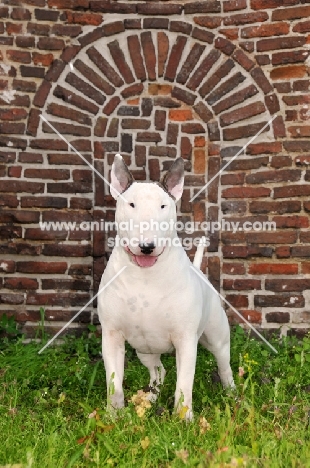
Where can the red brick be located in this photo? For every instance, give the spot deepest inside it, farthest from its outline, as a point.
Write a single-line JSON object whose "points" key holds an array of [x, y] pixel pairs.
{"points": [[75, 100], [200, 73], [243, 132], [60, 299], [134, 48], [281, 73], [149, 54], [14, 28], [120, 61], [91, 19], [189, 63], [111, 105], [66, 30], [202, 7], [237, 301], [230, 33], [287, 285], [291, 13], [21, 186], [180, 26], [266, 30], [70, 4], [107, 6], [20, 283], [301, 251], [279, 300], [18, 56], [203, 35], [289, 191], [38, 29], [13, 113], [42, 59], [246, 192], [245, 18], [273, 269], [225, 46], [266, 4], [280, 43], [104, 67], [183, 95], [258, 75], [221, 72], [279, 237], [209, 22], [7, 266], [274, 176], [159, 9], [302, 27], [275, 207], [234, 99], [41, 267], [233, 5], [15, 171], [241, 284], [50, 43], [242, 113], [163, 49]]}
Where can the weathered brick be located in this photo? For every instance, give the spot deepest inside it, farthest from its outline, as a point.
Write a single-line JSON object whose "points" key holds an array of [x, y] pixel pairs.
{"points": [[225, 88], [183, 95], [163, 49], [104, 67], [15, 299], [149, 54], [246, 192], [235, 98], [106, 6], [190, 63], [148, 137], [88, 90], [200, 73], [287, 285], [119, 59], [289, 191], [220, 73], [18, 56], [111, 105], [258, 75], [291, 13], [159, 9], [203, 35], [180, 26], [93, 77], [280, 43], [224, 45], [243, 132], [281, 73], [274, 176], [133, 90], [75, 100], [241, 284], [166, 151], [210, 6], [134, 48]]}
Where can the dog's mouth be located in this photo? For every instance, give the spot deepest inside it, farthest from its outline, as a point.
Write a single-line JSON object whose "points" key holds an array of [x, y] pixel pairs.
{"points": [[143, 261]]}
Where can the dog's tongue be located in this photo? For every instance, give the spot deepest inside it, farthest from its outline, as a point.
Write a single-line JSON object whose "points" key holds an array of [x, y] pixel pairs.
{"points": [[145, 260]]}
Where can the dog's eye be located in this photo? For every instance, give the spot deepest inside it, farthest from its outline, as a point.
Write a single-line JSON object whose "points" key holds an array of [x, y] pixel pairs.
{"points": [[132, 205], [163, 206]]}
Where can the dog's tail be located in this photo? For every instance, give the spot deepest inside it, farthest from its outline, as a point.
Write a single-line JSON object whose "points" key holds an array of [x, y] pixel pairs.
{"points": [[199, 252]]}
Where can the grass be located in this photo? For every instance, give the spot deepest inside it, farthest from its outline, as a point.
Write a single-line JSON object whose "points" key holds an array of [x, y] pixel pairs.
{"points": [[52, 409]]}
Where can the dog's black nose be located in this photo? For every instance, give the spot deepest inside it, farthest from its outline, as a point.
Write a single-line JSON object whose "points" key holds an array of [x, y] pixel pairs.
{"points": [[147, 247]]}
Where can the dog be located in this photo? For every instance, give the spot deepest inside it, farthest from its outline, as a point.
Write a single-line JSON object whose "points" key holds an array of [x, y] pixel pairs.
{"points": [[158, 303]]}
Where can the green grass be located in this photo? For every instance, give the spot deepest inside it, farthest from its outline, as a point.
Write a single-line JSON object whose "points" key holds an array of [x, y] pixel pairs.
{"points": [[46, 401]]}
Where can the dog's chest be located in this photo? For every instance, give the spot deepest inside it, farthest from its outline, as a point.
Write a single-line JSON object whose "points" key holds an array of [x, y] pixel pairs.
{"points": [[147, 321]]}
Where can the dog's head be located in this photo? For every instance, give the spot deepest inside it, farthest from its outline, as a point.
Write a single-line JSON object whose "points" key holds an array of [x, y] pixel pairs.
{"points": [[146, 212]]}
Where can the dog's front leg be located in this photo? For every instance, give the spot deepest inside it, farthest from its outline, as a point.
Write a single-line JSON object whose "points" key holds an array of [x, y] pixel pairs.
{"points": [[113, 353], [186, 353]]}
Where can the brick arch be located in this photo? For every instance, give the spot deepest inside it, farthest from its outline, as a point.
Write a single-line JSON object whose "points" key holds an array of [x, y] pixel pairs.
{"points": [[152, 94]]}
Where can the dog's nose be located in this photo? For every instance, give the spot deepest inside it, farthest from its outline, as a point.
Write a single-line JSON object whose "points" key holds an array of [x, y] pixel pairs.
{"points": [[147, 247]]}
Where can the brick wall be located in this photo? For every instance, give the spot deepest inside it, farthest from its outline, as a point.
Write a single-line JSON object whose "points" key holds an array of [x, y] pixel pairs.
{"points": [[154, 80]]}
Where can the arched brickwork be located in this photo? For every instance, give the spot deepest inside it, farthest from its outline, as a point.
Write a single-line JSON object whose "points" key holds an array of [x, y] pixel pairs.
{"points": [[153, 95], [152, 81]]}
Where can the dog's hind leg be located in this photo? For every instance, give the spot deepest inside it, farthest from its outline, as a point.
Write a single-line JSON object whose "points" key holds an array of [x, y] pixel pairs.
{"points": [[156, 370], [220, 348]]}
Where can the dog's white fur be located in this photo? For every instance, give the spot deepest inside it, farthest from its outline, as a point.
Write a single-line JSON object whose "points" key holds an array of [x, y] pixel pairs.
{"points": [[161, 307]]}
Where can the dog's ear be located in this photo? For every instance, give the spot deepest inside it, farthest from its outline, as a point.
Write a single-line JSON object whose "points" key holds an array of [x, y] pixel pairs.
{"points": [[173, 180], [121, 177]]}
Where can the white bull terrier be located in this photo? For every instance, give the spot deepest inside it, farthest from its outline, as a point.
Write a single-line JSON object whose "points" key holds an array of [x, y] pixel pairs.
{"points": [[158, 303]]}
